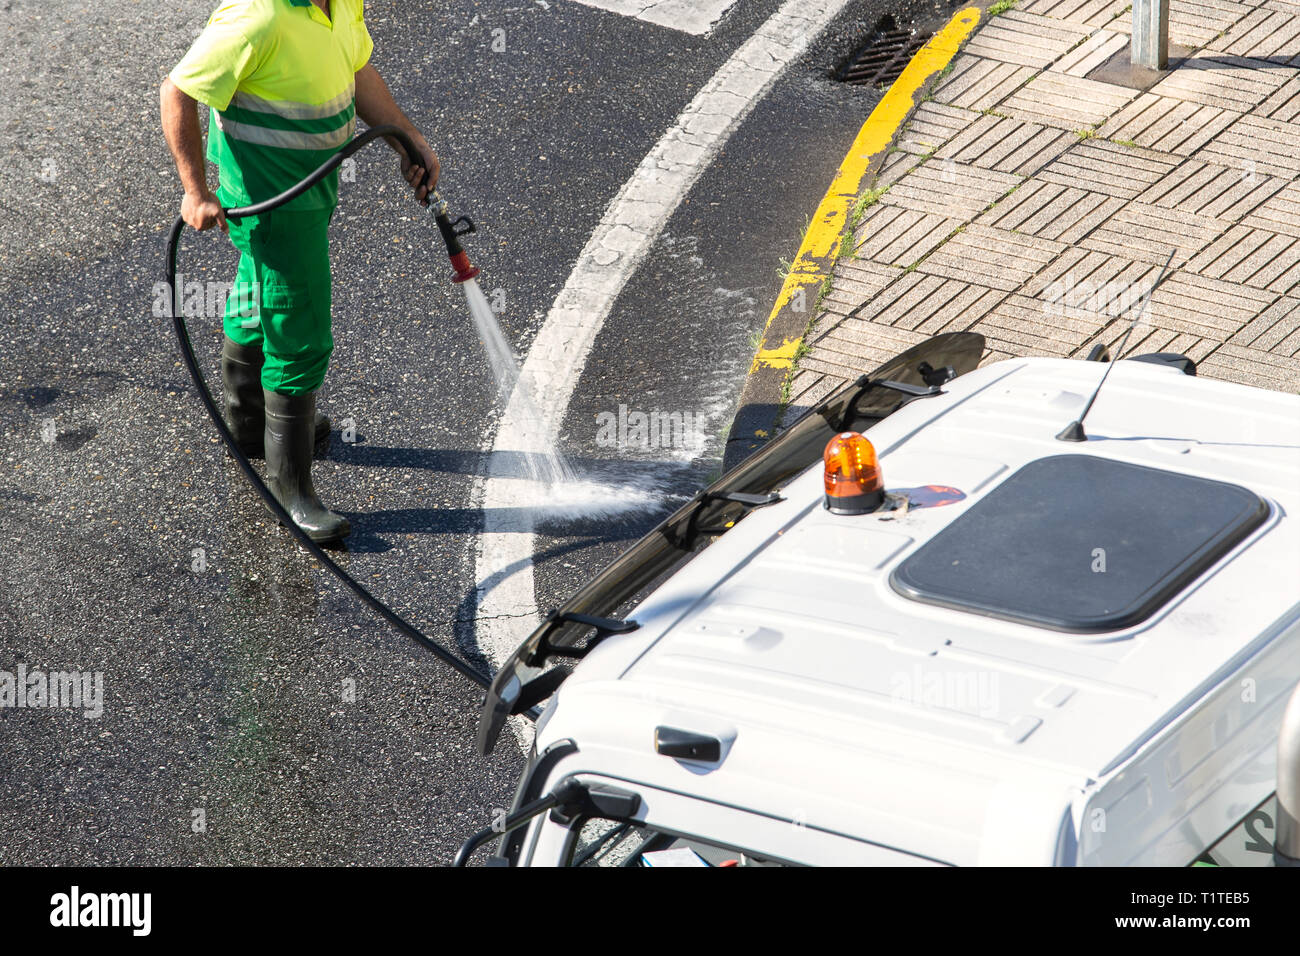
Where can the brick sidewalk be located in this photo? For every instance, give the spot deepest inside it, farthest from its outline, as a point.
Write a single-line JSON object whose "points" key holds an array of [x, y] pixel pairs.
{"points": [[1030, 203]]}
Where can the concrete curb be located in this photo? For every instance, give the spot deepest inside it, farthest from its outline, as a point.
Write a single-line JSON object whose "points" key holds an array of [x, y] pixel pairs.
{"points": [[761, 402]]}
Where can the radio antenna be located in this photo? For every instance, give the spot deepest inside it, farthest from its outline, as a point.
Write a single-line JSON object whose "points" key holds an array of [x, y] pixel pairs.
{"points": [[1074, 431]]}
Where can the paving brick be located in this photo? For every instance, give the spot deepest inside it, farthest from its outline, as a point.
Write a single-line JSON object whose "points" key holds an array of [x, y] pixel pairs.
{"points": [[1168, 124], [808, 388], [1051, 211], [919, 301], [1199, 305], [1229, 82], [1095, 299], [1276, 329], [1147, 233], [1279, 213], [949, 189], [1085, 282], [1256, 144], [895, 236], [1005, 144], [1271, 30], [844, 366], [849, 360], [1212, 190], [1024, 326], [1090, 54], [1093, 13], [1283, 104], [854, 282], [1066, 102], [1146, 339], [1195, 23], [976, 83], [1253, 367], [1253, 257], [1096, 165], [932, 125], [1026, 39], [896, 165], [998, 258]]}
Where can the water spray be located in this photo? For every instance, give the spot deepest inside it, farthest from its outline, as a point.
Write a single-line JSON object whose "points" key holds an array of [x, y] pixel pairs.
{"points": [[544, 462]]}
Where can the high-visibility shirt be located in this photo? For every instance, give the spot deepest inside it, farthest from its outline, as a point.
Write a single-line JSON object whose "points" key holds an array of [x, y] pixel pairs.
{"points": [[280, 79]]}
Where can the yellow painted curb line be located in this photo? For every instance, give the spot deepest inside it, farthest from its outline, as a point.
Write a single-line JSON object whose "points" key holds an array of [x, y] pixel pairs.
{"points": [[821, 243]]}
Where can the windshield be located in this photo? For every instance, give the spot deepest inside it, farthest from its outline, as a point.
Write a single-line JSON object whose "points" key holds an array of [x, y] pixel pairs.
{"points": [[1249, 843], [601, 842]]}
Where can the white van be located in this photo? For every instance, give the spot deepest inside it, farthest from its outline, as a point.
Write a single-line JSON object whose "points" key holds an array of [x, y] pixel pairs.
{"points": [[955, 637]]}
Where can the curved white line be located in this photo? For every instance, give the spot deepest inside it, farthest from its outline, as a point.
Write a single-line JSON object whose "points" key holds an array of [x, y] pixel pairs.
{"points": [[506, 602]]}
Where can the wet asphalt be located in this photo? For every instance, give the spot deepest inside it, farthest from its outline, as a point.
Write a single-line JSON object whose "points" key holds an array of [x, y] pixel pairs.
{"points": [[253, 711]]}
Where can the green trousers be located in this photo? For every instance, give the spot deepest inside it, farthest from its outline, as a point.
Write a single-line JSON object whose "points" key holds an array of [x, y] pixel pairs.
{"points": [[281, 296]]}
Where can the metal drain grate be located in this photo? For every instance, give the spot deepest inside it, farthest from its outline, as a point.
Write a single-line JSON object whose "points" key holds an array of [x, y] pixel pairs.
{"points": [[883, 58]]}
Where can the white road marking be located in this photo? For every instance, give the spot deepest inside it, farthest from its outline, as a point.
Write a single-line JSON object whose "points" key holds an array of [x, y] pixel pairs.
{"points": [[506, 601], [689, 16]]}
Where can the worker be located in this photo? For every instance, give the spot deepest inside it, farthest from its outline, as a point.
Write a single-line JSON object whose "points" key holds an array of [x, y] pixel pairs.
{"points": [[284, 81]]}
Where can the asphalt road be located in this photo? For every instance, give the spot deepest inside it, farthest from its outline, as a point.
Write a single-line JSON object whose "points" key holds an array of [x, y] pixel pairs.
{"points": [[253, 711]]}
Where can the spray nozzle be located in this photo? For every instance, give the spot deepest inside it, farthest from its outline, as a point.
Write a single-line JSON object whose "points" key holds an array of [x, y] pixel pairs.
{"points": [[451, 233]]}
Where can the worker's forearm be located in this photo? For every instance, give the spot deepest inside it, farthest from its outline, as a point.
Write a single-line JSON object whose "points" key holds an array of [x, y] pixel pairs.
{"points": [[180, 121], [376, 106]]}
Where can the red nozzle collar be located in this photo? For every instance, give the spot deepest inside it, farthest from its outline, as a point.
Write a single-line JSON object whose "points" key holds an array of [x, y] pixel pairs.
{"points": [[464, 270]]}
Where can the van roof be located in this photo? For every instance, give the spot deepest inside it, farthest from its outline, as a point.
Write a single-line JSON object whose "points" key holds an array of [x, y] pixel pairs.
{"points": [[833, 688]]}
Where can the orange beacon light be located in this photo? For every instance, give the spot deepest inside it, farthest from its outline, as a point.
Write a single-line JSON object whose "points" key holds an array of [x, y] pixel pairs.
{"points": [[854, 484]]}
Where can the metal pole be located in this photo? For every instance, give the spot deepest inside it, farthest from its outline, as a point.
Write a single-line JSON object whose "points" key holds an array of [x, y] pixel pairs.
{"points": [[1150, 34]]}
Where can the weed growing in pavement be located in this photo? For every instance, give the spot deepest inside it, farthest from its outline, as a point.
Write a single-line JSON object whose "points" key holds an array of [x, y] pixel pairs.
{"points": [[1078, 43], [1127, 142], [1086, 133], [864, 202], [1002, 6], [822, 293]]}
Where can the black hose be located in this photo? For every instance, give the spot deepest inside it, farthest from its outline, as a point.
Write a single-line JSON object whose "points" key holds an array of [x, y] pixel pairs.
{"points": [[191, 362]]}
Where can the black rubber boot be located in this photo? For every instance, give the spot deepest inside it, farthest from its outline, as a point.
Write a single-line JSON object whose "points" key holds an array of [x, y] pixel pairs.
{"points": [[241, 378], [288, 442]]}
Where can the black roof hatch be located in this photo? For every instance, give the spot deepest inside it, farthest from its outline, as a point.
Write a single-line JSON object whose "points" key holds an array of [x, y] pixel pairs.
{"points": [[1080, 543]]}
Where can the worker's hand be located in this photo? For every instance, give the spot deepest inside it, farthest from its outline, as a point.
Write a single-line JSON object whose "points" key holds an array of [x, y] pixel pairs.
{"points": [[424, 168], [202, 211]]}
